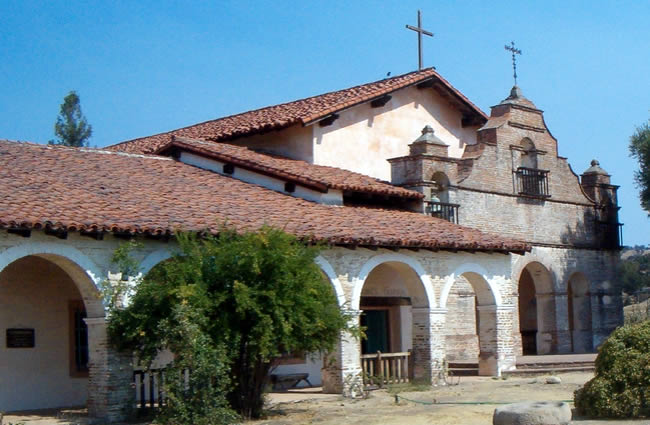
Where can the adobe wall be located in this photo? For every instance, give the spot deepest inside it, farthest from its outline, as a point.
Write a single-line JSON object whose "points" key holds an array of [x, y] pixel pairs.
{"points": [[376, 134], [461, 327], [535, 221], [599, 270]]}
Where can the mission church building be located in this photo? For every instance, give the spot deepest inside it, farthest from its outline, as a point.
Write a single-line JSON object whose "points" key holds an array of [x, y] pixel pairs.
{"points": [[452, 235]]}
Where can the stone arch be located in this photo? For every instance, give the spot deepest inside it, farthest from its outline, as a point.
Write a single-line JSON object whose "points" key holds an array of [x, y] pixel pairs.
{"points": [[82, 270], [579, 313], [395, 309], [327, 268], [529, 155], [479, 280], [51, 289], [440, 188], [394, 258], [472, 329], [537, 308], [153, 259]]}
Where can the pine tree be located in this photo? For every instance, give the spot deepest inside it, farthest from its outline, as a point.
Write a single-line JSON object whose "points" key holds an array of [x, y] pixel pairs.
{"points": [[640, 150], [71, 127]]}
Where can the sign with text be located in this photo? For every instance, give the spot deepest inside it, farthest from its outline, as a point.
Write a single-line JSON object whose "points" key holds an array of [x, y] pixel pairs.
{"points": [[20, 338]]}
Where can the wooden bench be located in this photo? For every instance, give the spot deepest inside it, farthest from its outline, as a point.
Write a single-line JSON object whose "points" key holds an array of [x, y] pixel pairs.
{"points": [[289, 380]]}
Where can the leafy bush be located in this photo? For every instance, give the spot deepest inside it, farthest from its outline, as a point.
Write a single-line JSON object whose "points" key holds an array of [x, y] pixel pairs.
{"points": [[196, 382], [621, 386], [247, 298]]}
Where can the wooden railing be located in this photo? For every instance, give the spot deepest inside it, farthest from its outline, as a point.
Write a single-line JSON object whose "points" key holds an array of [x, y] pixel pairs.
{"points": [[532, 182], [386, 368], [148, 388], [443, 210]]}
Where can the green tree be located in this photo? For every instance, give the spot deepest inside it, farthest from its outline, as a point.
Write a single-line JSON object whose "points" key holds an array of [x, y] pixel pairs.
{"points": [[71, 127], [640, 149], [258, 295], [634, 273]]}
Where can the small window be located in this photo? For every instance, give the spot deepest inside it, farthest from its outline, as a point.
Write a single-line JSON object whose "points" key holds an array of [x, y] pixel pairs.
{"points": [[78, 340]]}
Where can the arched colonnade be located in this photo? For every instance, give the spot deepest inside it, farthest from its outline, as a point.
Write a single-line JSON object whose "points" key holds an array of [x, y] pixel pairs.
{"points": [[414, 296]]}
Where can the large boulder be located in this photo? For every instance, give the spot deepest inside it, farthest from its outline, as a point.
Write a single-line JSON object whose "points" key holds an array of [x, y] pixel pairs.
{"points": [[533, 413]]}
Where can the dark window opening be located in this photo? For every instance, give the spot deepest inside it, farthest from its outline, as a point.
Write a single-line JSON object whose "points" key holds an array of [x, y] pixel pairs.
{"points": [[78, 340]]}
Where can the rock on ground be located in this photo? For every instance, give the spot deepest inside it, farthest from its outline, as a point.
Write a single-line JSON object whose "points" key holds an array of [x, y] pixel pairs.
{"points": [[533, 413], [553, 380]]}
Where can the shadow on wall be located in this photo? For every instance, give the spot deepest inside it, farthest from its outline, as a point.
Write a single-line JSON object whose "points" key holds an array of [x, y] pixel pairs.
{"points": [[586, 234]]}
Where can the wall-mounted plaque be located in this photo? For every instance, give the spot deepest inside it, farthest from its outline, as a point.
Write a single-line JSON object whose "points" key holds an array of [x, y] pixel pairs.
{"points": [[20, 338]]}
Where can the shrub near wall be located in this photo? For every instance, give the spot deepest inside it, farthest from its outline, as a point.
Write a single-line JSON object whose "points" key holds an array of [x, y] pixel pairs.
{"points": [[621, 387]]}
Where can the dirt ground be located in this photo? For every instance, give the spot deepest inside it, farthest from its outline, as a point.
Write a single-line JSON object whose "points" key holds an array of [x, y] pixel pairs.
{"points": [[426, 407], [449, 405]]}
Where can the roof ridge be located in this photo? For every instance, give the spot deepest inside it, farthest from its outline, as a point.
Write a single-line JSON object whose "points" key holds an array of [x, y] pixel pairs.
{"points": [[86, 149], [275, 106]]}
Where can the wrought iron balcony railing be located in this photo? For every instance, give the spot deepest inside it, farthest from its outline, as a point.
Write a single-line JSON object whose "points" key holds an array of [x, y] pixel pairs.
{"points": [[532, 182], [611, 235], [443, 210]]}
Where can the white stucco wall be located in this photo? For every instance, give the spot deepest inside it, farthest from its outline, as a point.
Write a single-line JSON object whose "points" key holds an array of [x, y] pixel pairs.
{"points": [[293, 142], [331, 197], [363, 138], [312, 365], [34, 293]]}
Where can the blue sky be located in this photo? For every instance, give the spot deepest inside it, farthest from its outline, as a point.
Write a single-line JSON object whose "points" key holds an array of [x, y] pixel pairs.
{"points": [[150, 66]]}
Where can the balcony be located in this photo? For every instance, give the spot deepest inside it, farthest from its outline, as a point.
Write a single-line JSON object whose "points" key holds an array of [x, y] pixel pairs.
{"points": [[442, 210], [532, 182], [611, 234]]}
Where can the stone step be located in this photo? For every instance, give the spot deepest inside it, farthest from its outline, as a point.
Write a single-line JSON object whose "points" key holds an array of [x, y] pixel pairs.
{"points": [[463, 372], [554, 365], [462, 365], [547, 371], [463, 368]]}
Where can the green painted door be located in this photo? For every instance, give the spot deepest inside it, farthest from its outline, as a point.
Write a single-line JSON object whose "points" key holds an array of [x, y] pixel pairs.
{"points": [[376, 323]]}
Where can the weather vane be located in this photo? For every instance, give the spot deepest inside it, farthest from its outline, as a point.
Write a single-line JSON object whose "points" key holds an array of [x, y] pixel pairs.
{"points": [[420, 31], [514, 51]]}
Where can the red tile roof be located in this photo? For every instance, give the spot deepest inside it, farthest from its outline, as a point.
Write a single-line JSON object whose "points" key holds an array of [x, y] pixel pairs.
{"points": [[319, 177], [68, 189], [303, 111]]}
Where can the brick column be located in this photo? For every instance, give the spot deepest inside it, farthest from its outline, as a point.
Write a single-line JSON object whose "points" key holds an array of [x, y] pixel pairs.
{"points": [[110, 390], [546, 323], [342, 367], [563, 342], [428, 342], [496, 342], [606, 315]]}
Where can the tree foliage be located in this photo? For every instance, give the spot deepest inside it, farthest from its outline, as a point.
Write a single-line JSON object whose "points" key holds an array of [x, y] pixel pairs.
{"points": [[253, 295], [634, 273], [640, 149], [71, 127], [621, 385]]}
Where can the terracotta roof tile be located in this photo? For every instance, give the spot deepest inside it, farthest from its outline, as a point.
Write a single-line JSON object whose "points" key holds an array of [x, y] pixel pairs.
{"points": [[301, 111], [319, 177], [61, 188]]}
